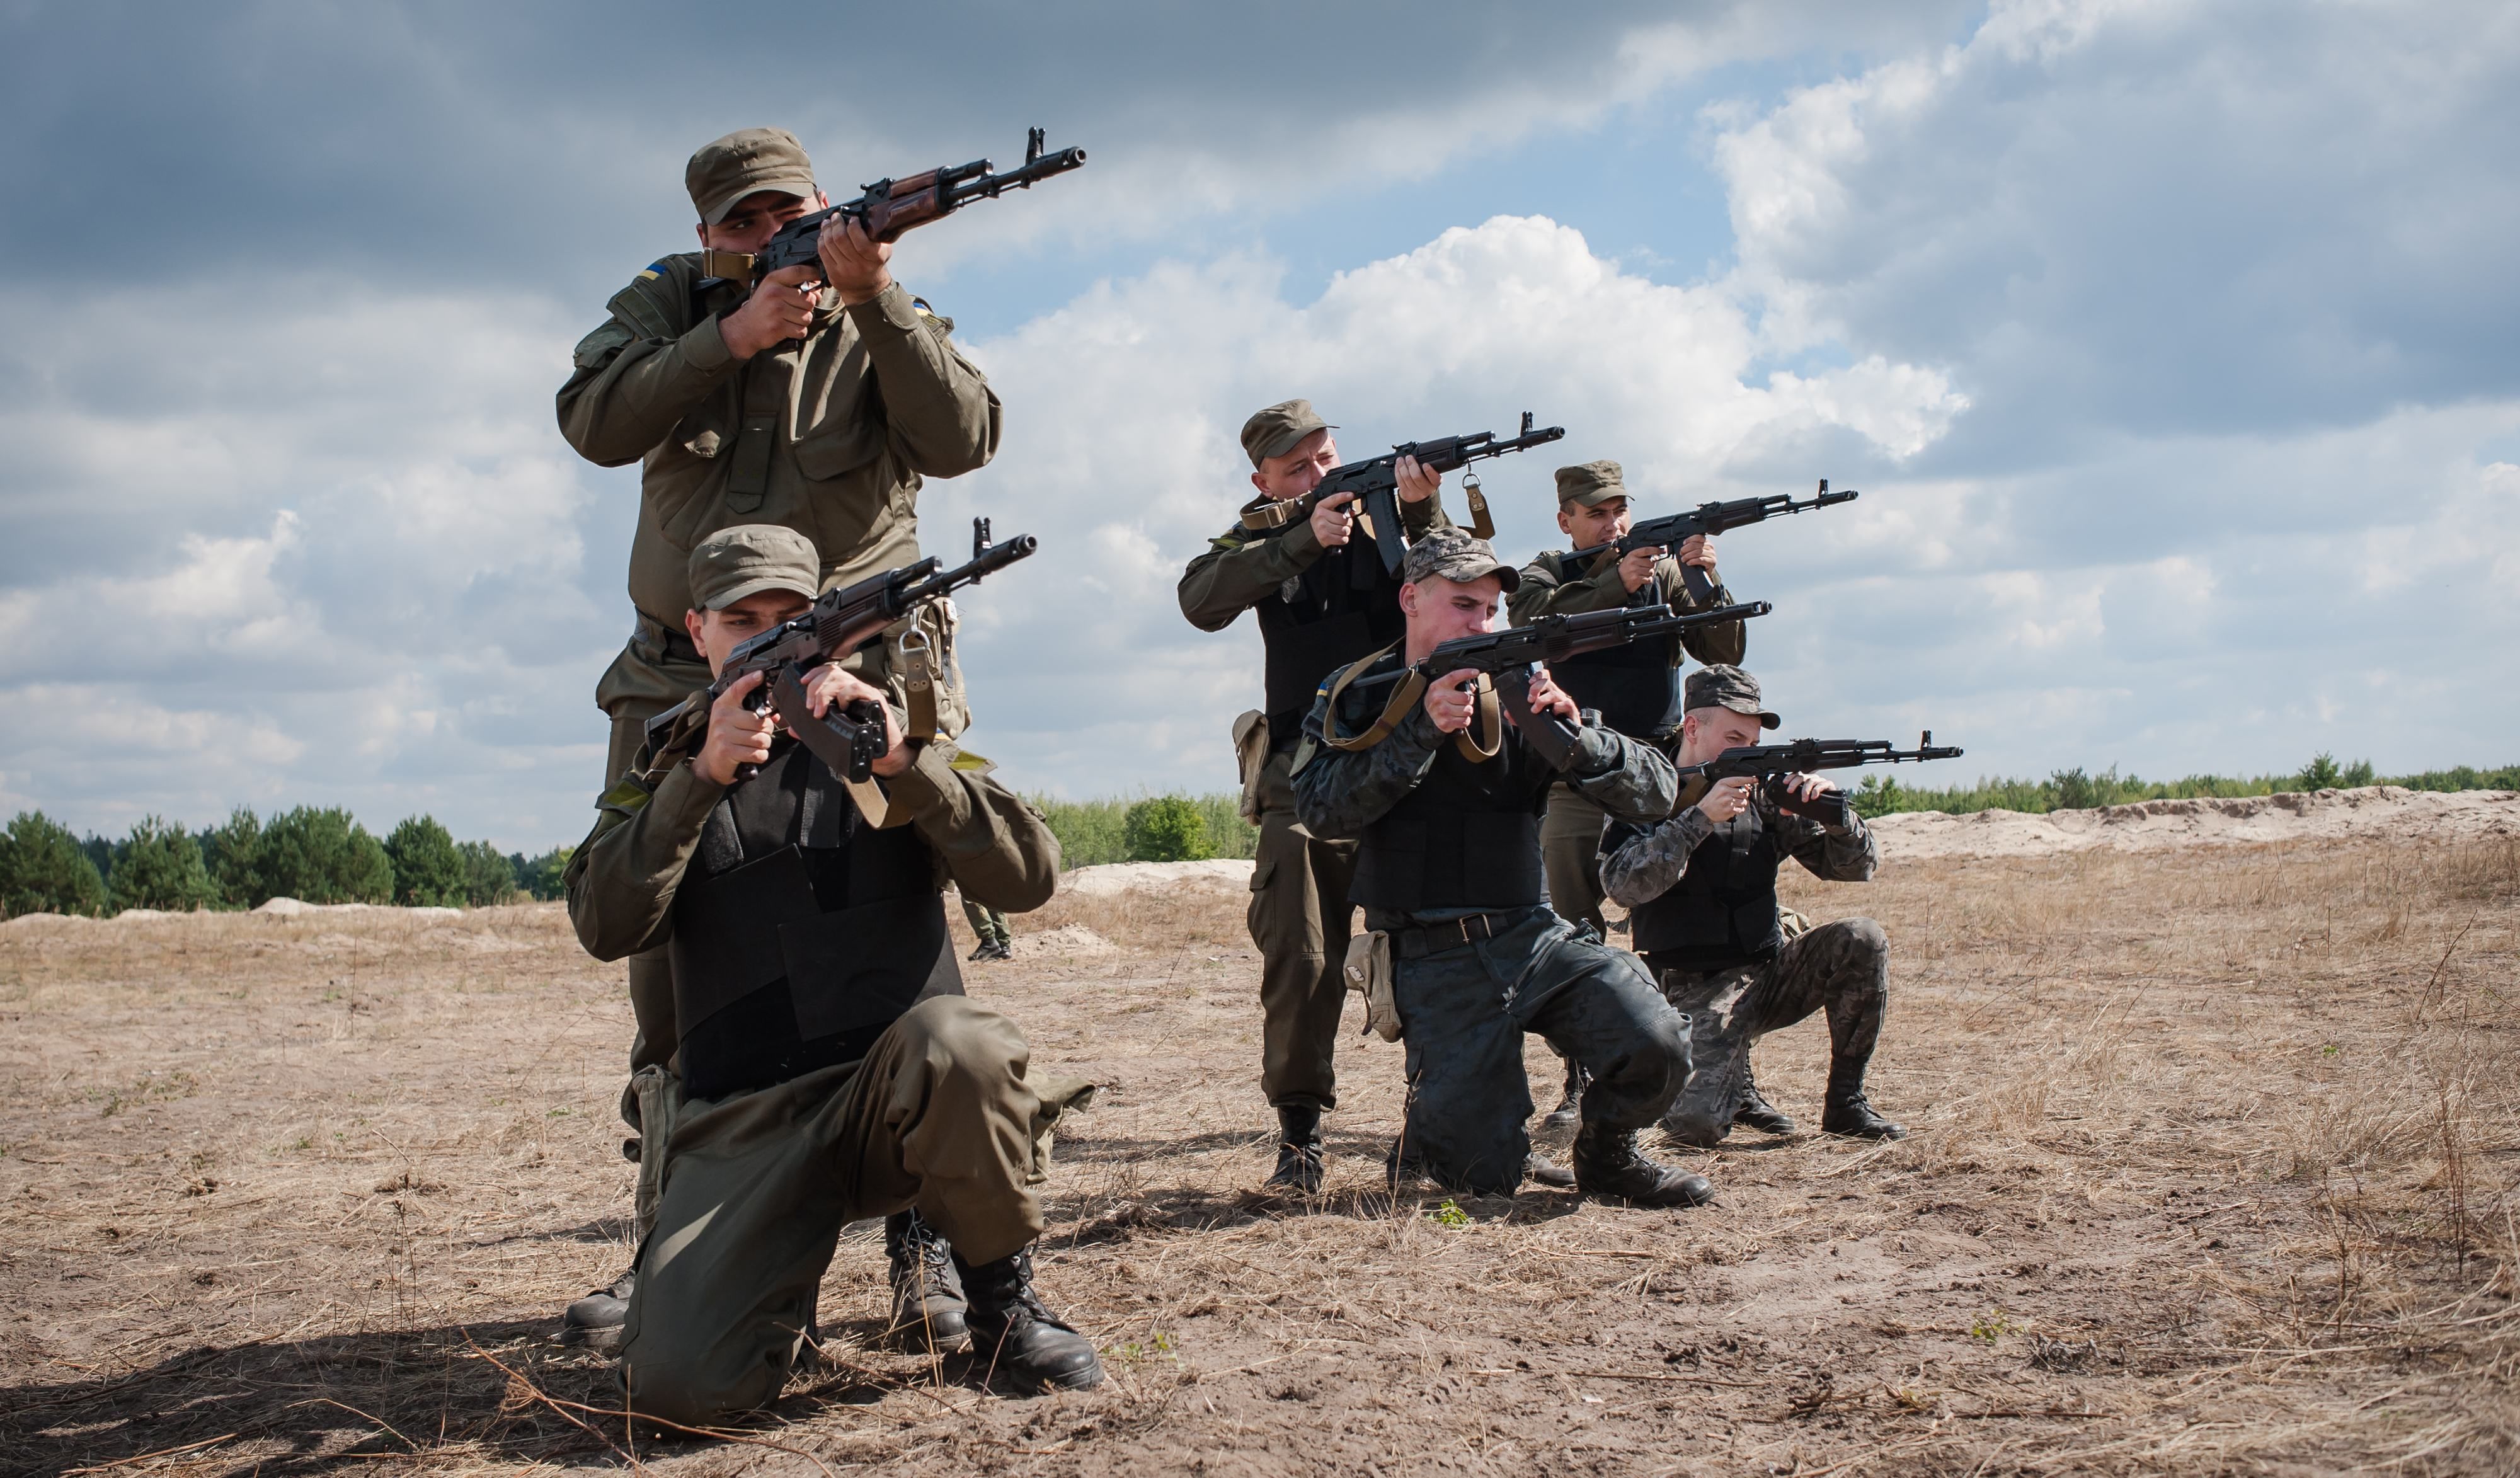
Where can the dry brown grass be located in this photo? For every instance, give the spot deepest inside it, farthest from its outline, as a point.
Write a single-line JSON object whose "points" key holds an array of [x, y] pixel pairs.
{"points": [[2212, 1171]]}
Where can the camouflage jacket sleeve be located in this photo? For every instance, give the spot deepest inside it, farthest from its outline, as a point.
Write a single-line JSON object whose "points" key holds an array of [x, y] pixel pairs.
{"points": [[622, 879], [1243, 567], [646, 366], [1640, 863], [1627, 777], [1339, 793]]}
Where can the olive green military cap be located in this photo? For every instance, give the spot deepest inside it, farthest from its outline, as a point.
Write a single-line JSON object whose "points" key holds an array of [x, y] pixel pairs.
{"points": [[1725, 685], [746, 162], [749, 557], [1589, 483], [1450, 554], [1273, 432]]}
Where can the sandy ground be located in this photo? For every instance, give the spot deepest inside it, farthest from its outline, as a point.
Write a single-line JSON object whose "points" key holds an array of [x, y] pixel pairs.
{"points": [[2211, 1173], [2371, 813]]}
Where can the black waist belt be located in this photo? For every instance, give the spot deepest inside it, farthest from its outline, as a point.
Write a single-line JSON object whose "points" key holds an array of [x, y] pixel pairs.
{"points": [[1452, 934]]}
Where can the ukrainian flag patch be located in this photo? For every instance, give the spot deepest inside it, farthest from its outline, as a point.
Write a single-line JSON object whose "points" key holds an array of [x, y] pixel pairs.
{"points": [[656, 270]]}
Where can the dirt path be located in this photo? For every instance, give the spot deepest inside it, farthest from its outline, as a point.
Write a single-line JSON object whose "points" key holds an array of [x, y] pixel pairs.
{"points": [[2211, 1171]]}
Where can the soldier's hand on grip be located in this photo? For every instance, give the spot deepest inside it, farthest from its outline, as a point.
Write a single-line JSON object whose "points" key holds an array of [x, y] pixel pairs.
{"points": [[1635, 566], [1548, 697], [1728, 798], [1449, 704], [1698, 550], [780, 308], [1334, 519], [829, 687], [737, 736]]}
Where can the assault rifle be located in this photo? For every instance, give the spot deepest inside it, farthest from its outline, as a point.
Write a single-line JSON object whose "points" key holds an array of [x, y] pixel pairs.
{"points": [[1771, 763], [1376, 482], [891, 207], [849, 738], [1507, 657], [1671, 529]]}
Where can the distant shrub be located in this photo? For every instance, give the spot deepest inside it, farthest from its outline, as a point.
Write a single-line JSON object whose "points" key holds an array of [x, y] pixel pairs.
{"points": [[1092, 832], [160, 867], [233, 853], [489, 877], [320, 855], [427, 869], [542, 877], [43, 870], [1166, 828]]}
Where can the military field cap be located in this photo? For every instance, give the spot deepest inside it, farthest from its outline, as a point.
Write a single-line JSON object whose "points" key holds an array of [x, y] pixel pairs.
{"points": [[1273, 432], [1590, 484], [744, 161], [735, 562], [1725, 685], [1449, 554]]}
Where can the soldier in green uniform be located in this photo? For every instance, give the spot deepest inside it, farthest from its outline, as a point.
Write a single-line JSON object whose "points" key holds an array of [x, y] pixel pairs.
{"points": [[1322, 598], [1636, 689], [817, 398], [829, 1066]]}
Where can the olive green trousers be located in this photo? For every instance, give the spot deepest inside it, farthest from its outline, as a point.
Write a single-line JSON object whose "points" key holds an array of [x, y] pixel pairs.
{"points": [[1300, 920], [758, 1184]]}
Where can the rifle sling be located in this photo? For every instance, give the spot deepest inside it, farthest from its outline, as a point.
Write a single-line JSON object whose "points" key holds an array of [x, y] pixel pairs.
{"points": [[1489, 719]]}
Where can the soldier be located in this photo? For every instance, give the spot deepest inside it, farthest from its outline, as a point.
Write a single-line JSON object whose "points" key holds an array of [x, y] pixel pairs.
{"points": [[1636, 689], [1702, 887], [989, 926], [1447, 801], [829, 1066], [816, 398], [1322, 598]]}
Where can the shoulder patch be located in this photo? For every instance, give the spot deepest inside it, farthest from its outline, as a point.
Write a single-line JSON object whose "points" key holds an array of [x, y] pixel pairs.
{"points": [[627, 798], [654, 270], [919, 305]]}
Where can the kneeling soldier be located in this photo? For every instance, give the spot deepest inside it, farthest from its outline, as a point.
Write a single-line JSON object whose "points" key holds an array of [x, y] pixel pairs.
{"points": [[1702, 887], [1447, 804], [830, 1069]]}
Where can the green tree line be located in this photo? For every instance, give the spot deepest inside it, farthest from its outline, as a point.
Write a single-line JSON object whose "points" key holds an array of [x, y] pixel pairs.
{"points": [[314, 854], [1881, 793]]}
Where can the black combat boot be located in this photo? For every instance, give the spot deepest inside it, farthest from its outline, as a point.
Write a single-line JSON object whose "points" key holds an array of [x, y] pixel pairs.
{"points": [[1299, 1149], [1541, 1170], [926, 1291], [1609, 1167], [596, 1320], [1757, 1113], [1848, 1112], [1012, 1334], [1571, 1107]]}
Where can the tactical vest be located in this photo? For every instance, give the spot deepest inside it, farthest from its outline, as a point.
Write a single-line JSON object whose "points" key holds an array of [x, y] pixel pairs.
{"points": [[1345, 604], [800, 932], [1467, 838], [1722, 910], [1635, 687]]}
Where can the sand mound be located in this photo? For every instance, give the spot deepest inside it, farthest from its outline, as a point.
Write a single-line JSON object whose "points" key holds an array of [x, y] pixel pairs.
{"points": [[2369, 813], [1102, 881], [1067, 941], [290, 907]]}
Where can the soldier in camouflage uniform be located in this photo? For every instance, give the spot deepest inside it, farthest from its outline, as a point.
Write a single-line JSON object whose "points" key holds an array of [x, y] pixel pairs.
{"points": [[1446, 799], [817, 398], [1323, 597], [830, 1066], [1636, 689], [1704, 888]]}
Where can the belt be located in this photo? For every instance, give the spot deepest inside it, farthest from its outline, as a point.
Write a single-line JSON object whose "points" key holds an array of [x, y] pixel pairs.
{"points": [[1452, 934]]}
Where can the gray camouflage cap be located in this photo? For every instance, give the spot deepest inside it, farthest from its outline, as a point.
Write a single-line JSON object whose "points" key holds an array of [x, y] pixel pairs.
{"points": [[1273, 432], [746, 162], [1589, 483], [1449, 554], [751, 558], [1725, 685]]}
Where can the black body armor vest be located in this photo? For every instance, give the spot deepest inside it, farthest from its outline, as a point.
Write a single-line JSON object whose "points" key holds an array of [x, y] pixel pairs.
{"points": [[800, 932], [1722, 910], [1345, 605], [1636, 687], [1468, 838]]}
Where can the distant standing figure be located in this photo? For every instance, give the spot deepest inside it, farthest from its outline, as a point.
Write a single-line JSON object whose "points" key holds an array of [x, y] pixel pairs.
{"points": [[997, 941]]}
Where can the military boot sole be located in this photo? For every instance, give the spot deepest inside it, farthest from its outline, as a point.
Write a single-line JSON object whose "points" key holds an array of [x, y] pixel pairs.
{"points": [[1877, 1129], [1680, 1195], [1767, 1122], [1076, 1369]]}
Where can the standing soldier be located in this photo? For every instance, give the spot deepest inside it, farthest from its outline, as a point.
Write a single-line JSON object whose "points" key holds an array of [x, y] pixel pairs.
{"points": [[830, 1066], [816, 398], [1703, 889], [1446, 797], [1636, 689], [1324, 599]]}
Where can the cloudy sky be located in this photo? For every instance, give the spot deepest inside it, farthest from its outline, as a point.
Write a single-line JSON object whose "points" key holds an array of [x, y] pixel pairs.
{"points": [[2172, 347]]}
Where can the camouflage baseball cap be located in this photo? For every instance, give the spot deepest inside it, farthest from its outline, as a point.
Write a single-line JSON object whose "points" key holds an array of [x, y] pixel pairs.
{"points": [[745, 162], [1449, 554], [1273, 432], [1725, 685], [1590, 484], [735, 562]]}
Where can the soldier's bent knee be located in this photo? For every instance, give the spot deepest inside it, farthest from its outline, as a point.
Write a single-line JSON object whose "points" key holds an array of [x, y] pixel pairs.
{"points": [[1866, 937], [968, 1033]]}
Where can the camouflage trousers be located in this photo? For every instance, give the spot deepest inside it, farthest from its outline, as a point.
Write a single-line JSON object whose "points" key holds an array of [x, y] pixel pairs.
{"points": [[1464, 1012], [1842, 968]]}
